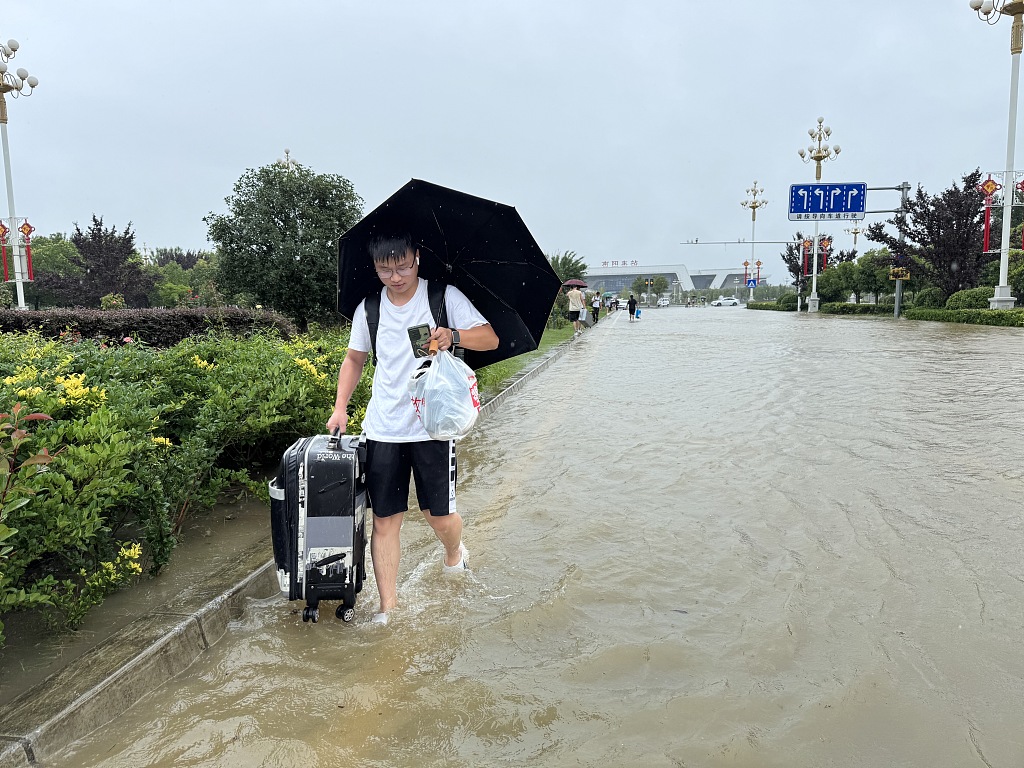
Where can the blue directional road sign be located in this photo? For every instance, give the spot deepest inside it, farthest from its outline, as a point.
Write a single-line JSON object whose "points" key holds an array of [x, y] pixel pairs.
{"points": [[827, 202]]}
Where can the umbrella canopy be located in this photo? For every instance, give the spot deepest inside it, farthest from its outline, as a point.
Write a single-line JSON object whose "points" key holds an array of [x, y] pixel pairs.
{"points": [[481, 247], [575, 283]]}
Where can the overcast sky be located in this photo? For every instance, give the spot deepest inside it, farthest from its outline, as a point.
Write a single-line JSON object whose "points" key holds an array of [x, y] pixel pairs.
{"points": [[619, 130]]}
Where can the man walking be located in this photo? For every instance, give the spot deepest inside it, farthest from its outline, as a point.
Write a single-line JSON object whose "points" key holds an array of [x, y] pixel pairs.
{"points": [[576, 305], [397, 444]]}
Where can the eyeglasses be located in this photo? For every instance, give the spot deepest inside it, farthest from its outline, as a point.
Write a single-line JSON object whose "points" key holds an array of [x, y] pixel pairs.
{"points": [[386, 274]]}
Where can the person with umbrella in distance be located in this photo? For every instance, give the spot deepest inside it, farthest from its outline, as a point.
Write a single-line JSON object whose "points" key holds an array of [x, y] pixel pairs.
{"points": [[397, 444]]}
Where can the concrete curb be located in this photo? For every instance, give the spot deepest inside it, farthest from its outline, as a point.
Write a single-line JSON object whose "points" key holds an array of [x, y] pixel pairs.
{"points": [[153, 649], [120, 671]]}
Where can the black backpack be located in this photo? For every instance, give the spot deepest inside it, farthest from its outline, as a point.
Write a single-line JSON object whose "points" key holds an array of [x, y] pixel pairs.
{"points": [[435, 298]]}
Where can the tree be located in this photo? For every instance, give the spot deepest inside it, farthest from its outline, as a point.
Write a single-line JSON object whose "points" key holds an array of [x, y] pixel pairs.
{"points": [[793, 258], [53, 258], [185, 259], [568, 266], [172, 286], [838, 282], [873, 272], [103, 261], [660, 285], [943, 233], [279, 239]]}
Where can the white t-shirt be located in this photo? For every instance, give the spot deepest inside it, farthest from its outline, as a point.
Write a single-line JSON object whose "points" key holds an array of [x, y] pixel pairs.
{"points": [[390, 416]]}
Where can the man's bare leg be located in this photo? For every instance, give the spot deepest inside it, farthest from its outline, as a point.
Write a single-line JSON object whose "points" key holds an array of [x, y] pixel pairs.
{"points": [[448, 529], [385, 550]]}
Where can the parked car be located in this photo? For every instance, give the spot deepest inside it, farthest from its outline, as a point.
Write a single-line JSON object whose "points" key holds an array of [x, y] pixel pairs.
{"points": [[662, 302], [726, 301]]}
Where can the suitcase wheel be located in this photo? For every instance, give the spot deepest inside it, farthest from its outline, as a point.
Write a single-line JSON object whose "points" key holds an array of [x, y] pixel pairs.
{"points": [[311, 614], [345, 614]]}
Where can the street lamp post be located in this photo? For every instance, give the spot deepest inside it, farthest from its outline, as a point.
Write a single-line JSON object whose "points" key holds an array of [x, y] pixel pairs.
{"points": [[287, 162], [991, 11], [854, 230], [817, 153], [14, 84], [753, 204]]}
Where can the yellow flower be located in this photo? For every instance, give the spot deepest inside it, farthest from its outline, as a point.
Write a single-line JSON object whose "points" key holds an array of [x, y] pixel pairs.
{"points": [[76, 393], [200, 363], [309, 368], [23, 374], [30, 392], [162, 441]]}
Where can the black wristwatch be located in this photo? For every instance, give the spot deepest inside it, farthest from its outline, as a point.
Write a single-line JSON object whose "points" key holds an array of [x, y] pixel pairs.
{"points": [[455, 337]]}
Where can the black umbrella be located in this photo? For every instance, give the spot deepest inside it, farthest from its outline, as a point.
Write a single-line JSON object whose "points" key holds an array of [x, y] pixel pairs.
{"points": [[481, 247]]}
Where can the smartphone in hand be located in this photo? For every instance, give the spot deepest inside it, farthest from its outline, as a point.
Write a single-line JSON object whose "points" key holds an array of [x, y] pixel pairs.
{"points": [[419, 337]]}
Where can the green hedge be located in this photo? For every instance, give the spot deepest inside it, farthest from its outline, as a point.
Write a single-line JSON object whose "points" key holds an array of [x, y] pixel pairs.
{"points": [[771, 305], [931, 297], [971, 298], [843, 308], [143, 438], [157, 327], [1002, 317]]}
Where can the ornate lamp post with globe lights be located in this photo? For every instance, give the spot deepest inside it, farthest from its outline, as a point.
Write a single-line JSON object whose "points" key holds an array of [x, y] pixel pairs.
{"points": [[287, 162], [990, 12], [854, 230], [818, 153], [753, 204], [21, 83]]}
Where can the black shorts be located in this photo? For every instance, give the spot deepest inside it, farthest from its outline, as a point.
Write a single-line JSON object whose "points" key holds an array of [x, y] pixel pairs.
{"points": [[432, 465], [574, 316]]}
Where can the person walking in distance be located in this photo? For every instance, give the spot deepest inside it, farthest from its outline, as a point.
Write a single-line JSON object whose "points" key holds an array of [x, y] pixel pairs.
{"points": [[595, 305], [631, 306], [575, 297], [397, 444]]}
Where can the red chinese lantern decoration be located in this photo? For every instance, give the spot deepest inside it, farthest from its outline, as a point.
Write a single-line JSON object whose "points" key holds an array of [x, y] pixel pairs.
{"points": [[27, 229]]}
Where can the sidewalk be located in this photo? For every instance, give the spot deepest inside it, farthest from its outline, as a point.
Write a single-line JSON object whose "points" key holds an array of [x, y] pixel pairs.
{"points": [[132, 648]]}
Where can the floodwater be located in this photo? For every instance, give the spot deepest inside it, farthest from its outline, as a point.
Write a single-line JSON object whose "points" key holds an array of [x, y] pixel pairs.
{"points": [[714, 537]]}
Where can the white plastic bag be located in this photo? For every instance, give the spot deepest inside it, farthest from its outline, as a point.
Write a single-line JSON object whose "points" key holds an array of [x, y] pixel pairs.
{"points": [[445, 397]]}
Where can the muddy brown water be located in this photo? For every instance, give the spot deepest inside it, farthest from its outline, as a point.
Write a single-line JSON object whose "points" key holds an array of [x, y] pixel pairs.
{"points": [[715, 537]]}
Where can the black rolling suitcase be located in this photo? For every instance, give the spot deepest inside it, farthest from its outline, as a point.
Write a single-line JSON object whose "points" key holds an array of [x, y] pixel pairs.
{"points": [[318, 523]]}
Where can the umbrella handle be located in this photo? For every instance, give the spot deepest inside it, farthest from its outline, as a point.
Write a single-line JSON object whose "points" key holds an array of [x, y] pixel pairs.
{"points": [[432, 349]]}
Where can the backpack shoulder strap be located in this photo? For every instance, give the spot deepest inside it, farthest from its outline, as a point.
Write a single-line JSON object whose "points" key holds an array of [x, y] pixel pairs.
{"points": [[435, 296], [372, 308]]}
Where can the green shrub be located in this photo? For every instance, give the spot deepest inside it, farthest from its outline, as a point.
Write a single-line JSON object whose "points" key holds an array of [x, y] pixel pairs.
{"points": [[1001, 317], [113, 301], [149, 436], [769, 305], [931, 297], [18, 464], [971, 298], [787, 301], [844, 308]]}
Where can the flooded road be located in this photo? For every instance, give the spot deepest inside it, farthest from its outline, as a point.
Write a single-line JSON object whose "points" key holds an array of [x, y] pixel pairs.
{"points": [[715, 537]]}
